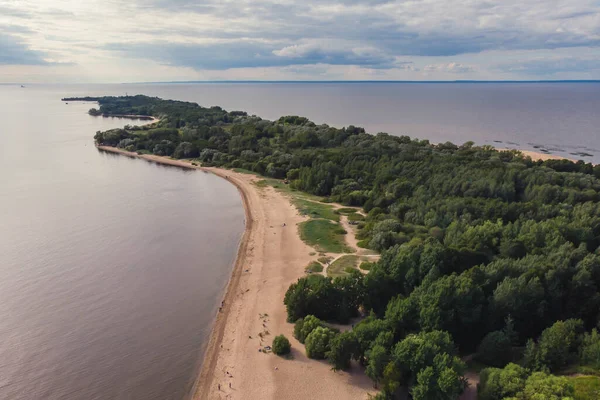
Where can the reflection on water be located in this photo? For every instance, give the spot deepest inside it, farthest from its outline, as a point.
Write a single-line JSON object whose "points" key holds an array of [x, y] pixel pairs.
{"points": [[110, 267]]}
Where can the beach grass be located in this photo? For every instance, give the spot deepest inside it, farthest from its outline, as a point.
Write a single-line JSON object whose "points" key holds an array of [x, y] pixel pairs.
{"points": [[261, 184], [244, 171], [313, 209], [324, 259], [355, 217], [586, 387], [342, 266], [314, 267], [324, 235], [366, 266]]}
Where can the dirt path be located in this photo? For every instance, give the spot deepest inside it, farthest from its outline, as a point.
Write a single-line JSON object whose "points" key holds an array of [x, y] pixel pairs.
{"points": [[471, 392]]}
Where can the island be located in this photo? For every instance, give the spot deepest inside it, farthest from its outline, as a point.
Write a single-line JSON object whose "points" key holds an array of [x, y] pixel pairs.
{"points": [[439, 271]]}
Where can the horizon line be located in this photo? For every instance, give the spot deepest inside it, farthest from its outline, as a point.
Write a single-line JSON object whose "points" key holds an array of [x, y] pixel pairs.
{"points": [[369, 81], [308, 81]]}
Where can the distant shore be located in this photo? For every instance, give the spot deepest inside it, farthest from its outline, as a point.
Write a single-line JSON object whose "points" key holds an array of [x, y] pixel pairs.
{"points": [[537, 156]]}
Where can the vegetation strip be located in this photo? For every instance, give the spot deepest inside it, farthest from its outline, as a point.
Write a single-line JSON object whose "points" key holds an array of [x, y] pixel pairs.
{"points": [[483, 252]]}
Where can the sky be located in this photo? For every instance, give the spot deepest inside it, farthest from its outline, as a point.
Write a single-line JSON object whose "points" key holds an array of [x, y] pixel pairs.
{"points": [[89, 41]]}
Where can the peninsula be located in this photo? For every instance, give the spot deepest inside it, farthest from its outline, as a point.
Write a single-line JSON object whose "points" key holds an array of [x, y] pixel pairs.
{"points": [[487, 257]]}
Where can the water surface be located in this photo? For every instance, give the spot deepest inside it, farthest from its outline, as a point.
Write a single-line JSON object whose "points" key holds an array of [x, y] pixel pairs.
{"points": [[110, 267], [561, 118]]}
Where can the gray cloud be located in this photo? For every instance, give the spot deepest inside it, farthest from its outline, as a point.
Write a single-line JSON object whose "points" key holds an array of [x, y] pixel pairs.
{"points": [[229, 55], [399, 28], [453, 67], [13, 12], [14, 52], [458, 36], [551, 66]]}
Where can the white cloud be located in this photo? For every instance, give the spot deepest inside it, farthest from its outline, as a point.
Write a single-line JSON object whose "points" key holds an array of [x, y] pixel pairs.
{"points": [[452, 67], [426, 39]]}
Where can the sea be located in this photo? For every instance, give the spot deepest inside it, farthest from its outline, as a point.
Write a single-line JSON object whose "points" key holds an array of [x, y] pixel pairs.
{"points": [[112, 268]]}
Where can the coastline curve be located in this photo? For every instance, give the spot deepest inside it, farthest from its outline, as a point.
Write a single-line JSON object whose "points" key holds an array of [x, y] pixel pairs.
{"points": [[203, 380]]}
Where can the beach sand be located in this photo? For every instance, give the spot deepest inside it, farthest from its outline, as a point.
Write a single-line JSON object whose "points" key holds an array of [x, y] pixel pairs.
{"points": [[270, 257], [535, 156]]}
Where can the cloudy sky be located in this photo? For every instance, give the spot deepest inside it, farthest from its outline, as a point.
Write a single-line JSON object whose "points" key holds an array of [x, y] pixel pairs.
{"points": [[168, 40]]}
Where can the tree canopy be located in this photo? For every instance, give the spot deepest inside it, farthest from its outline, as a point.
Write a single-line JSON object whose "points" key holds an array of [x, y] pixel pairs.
{"points": [[468, 236]]}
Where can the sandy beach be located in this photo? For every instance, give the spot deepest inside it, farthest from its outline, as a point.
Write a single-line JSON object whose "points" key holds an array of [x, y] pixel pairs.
{"points": [[270, 257], [536, 156]]}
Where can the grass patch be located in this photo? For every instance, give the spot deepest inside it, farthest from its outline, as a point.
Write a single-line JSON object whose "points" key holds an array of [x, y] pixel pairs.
{"points": [[579, 369], [261, 184], [323, 235], [346, 210], [325, 259], [366, 266], [342, 266], [314, 267], [244, 171], [586, 387], [355, 217], [315, 210], [364, 244]]}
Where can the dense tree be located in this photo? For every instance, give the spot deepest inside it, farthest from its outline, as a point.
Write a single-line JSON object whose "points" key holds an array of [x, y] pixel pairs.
{"points": [[590, 349], [557, 346], [318, 342], [496, 347], [548, 387], [378, 357], [304, 326], [467, 235], [441, 381], [498, 384], [343, 347]]}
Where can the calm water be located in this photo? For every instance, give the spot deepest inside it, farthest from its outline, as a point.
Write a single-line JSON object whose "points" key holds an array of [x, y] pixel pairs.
{"points": [[562, 118], [110, 268]]}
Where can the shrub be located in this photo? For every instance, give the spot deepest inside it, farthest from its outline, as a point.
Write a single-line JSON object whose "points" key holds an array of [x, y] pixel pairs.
{"points": [[363, 243], [318, 343], [281, 345], [366, 266], [304, 326], [313, 267], [543, 386], [497, 384]]}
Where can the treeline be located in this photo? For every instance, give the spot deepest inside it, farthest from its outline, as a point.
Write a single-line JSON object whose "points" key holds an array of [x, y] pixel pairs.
{"points": [[480, 249]]}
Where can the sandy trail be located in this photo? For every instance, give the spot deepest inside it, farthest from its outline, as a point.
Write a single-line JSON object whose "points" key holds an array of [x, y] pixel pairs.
{"points": [[270, 258], [276, 257]]}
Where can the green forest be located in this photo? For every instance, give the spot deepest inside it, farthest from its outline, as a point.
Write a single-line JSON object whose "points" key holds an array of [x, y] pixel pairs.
{"points": [[489, 260]]}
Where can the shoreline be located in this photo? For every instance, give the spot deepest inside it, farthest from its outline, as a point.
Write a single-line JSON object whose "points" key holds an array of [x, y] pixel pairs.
{"points": [[536, 155], [202, 381], [270, 257]]}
